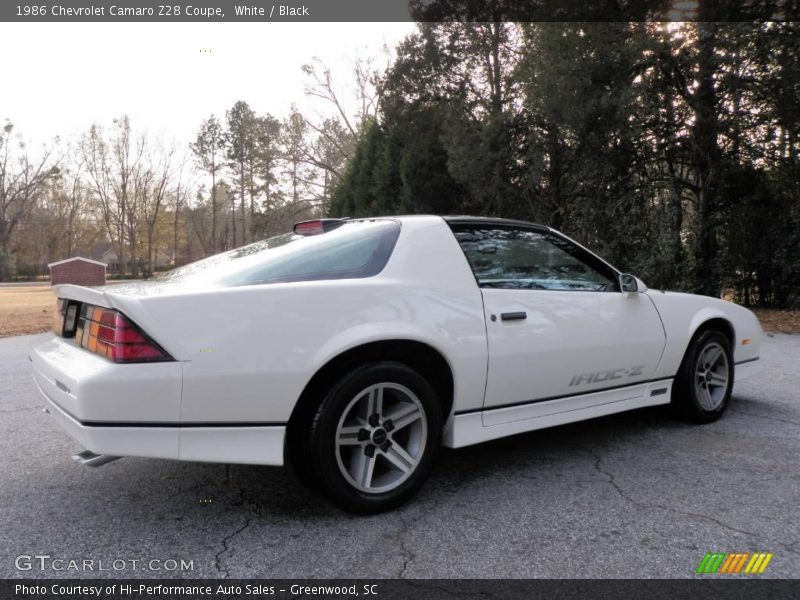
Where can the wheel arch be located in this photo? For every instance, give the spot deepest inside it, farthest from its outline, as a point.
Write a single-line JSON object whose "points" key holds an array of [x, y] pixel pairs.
{"points": [[681, 398], [420, 356], [716, 322], [700, 325]]}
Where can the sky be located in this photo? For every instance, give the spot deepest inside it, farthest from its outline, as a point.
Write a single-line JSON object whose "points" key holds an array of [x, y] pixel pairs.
{"points": [[59, 78]]}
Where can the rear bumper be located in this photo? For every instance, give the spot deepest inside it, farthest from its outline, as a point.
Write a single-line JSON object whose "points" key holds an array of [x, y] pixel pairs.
{"points": [[134, 410], [155, 442], [94, 389], [258, 445]]}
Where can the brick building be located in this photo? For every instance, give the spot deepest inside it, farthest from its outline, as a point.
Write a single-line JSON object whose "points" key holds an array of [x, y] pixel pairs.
{"points": [[78, 270]]}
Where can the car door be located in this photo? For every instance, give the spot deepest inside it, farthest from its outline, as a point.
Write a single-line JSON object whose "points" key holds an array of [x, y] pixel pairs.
{"points": [[557, 323]]}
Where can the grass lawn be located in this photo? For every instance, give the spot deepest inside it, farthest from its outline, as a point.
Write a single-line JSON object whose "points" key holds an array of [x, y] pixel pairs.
{"points": [[26, 309]]}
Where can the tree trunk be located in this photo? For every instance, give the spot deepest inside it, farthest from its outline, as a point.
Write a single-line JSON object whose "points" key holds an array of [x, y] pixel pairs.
{"points": [[553, 210], [213, 210], [134, 267], [233, 220], [706, 161], [175, 235], [242, 202], [673, 268], [122, 258], [150, 250]]}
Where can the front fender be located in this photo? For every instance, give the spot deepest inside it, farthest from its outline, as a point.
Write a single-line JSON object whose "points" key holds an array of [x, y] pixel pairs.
{"points": [[684, 314]]}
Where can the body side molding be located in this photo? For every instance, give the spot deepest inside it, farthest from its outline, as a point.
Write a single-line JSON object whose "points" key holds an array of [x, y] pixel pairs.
{"points": [[476, 427]]}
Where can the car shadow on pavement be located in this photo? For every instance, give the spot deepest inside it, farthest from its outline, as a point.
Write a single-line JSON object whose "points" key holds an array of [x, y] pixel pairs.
{"points": [[273, 492]]}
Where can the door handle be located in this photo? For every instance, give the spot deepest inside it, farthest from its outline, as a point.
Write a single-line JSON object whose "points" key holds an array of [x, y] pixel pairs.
{"points": [[513, 316]]}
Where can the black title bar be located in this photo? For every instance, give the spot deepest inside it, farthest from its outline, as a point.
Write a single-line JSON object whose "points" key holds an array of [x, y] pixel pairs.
{"points": [[396, 10]]}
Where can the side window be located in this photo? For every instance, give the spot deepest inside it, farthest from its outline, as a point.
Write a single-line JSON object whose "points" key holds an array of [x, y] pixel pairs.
{"points": [[517, 258]]}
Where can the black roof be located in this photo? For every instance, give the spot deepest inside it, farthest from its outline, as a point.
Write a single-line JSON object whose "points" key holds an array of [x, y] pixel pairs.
{"points": [[468, 220]]}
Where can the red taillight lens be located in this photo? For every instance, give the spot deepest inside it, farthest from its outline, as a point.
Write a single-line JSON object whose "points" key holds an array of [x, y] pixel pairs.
{"points": [[309, 228], [108, 333], [317, 226], [136, 352]]}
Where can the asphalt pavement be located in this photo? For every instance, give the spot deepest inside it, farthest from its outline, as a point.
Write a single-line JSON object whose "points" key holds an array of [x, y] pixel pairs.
{"points": [[631, 495]]}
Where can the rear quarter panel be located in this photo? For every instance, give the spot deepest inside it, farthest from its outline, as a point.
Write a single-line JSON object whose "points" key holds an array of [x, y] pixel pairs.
{"points": [[249, 351]]}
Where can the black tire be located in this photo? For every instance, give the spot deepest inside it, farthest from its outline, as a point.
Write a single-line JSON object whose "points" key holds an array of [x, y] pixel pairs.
{"points": [[320, 448], [687, 402]]}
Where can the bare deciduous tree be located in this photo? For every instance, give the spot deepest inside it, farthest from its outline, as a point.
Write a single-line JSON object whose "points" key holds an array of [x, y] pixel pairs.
{"points": [[335, 136], [23, 180], [111, 162]]}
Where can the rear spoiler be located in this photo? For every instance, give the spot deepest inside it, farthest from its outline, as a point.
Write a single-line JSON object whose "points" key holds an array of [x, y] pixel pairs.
{"points": [[82, 294]]}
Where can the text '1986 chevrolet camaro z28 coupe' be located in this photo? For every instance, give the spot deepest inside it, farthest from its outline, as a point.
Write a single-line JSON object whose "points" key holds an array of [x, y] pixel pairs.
{"points": [[354, 349]]}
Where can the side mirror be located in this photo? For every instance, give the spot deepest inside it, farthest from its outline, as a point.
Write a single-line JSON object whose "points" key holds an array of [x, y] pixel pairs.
{"points": [[628, 283]]}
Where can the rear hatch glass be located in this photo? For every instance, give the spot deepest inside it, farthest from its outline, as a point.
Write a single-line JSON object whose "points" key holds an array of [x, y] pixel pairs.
{"points": [[356, 249]]}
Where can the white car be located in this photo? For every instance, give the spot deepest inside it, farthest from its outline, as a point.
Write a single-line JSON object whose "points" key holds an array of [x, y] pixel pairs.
{"points": [[354, 349]]}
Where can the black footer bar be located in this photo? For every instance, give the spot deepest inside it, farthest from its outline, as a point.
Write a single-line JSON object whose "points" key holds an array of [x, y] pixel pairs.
{"points": [[708, 588]]}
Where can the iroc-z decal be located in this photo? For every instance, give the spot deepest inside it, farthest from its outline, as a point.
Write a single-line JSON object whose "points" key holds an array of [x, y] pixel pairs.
{"points": [[587, 378]]}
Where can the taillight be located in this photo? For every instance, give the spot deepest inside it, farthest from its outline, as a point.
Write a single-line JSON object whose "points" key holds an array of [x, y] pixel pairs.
{"points": [[109, 333], [66, 317]]}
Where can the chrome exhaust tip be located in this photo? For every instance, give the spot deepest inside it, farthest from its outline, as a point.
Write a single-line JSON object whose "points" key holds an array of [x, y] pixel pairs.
{"points": [[90, 459]]}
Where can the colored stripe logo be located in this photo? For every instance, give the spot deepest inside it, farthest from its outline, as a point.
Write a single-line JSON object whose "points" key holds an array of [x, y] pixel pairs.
{"points": [[734, 562]]}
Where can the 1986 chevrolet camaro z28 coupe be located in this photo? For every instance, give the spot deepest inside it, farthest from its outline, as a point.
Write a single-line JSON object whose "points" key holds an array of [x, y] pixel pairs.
{"points": [[354, 349]]}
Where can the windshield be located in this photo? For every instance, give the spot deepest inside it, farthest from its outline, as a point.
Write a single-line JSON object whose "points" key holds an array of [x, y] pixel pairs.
{"points": [[354, 250]]}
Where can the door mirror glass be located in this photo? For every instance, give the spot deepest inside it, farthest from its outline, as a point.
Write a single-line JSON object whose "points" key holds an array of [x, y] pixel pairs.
{"points": [[628, 283]]}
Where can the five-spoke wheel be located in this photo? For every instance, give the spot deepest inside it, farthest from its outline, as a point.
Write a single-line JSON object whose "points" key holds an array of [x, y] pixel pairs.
{"points": [[711, 382], [703, 386], [373, 438], [380, 438]]}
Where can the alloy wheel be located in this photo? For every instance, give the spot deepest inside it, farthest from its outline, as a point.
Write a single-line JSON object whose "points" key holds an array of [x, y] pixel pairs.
{"points": [[712, 374], [380, 438]]}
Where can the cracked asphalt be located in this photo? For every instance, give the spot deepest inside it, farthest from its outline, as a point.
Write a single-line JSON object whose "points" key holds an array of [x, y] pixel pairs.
{"points": [[631, 495]]}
